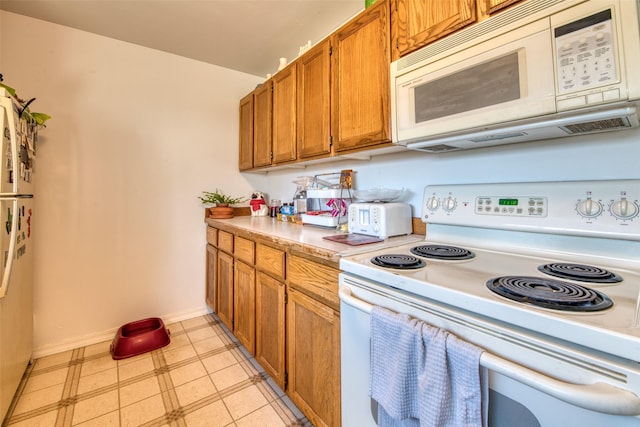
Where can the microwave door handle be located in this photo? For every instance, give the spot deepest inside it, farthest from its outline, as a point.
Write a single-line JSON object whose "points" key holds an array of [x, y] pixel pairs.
{"points": [[599, 397]]}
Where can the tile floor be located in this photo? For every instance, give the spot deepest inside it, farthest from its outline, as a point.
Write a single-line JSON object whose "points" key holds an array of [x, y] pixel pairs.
{"points": [[204, 377]]}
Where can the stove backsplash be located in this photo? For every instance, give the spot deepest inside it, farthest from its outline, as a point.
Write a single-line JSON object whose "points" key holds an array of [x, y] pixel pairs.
{"points": [[609, 156]]}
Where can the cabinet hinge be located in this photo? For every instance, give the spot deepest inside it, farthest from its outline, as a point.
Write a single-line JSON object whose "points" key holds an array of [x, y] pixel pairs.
{"points": [[271, 156], [286, 379], [271, 87], [286, 298], [330, 50], [331, 141]]}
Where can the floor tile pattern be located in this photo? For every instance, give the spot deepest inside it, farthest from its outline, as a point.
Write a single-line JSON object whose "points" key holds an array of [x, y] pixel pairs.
{"points": [[204, 377]]}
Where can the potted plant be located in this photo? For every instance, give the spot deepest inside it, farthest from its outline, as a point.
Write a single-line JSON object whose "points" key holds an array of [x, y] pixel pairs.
{"points": [[221, 202]]}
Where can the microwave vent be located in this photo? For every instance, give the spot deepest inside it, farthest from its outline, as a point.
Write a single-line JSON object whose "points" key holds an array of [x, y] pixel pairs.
{"points": [[476, 31], [616, 123], [440, 148]]}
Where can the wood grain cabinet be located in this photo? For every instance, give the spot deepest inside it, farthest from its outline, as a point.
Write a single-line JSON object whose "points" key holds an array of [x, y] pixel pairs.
{"points": [[360, 91], [270, 311], [313, 340], [313, 354], [225, 288], [313, 102], [332, 100], [211, 296], [268, 122], [244, 293], [284, 309], [245, 161], [284, 115], [262, 125], [416, 23]]}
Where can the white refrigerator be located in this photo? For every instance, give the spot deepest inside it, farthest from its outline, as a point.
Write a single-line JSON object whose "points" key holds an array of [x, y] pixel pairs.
{"points": [[16, 246]]}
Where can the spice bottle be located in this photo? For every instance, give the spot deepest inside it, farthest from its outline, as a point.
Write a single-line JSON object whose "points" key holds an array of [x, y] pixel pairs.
{"points": [[274, 208]]}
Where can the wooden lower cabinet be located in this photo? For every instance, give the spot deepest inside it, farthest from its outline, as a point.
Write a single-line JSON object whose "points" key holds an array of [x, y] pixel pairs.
{"points": [[224, 282], [283, 307], [313, 358], [211, 291], [270, 326], [244, 297]]}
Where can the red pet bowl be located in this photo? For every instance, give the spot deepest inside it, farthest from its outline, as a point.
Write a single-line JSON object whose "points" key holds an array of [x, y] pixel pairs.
{"points": [[139, 337]]}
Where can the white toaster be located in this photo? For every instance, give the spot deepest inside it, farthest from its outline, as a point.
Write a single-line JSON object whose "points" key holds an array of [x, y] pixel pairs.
{"points": [[380, 219]]}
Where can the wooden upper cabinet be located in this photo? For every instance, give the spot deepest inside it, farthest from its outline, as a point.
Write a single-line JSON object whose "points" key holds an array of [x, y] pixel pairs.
{"points": [[284, 115], [313, 102], [360, 89], [416, 23], [262, 125], [488, 7], [246, 133]]}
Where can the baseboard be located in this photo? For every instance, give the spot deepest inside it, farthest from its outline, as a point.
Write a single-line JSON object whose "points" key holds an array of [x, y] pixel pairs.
{"points": [[98, 337]]}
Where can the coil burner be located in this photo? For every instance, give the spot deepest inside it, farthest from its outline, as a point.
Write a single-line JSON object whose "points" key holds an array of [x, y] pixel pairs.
{"points": [[442, 252], [580, 272], [549, 293], [398, 261]]}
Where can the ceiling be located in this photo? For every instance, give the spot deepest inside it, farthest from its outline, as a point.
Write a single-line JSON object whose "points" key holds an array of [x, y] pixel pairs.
{"points": [[248, 36]]}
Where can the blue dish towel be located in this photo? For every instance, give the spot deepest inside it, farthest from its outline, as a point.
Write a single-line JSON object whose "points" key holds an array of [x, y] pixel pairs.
{"points": [[422, 375]]}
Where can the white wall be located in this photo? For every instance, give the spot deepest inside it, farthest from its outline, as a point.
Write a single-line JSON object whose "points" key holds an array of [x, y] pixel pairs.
{"points": [[136, 135]]}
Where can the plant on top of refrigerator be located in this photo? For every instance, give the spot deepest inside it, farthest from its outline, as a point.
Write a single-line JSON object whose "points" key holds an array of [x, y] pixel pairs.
{"points": [[38, 118]]}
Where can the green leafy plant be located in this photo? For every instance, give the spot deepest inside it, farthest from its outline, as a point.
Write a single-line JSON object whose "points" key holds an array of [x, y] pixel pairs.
{"points": [[217, 198], [38, 118]]}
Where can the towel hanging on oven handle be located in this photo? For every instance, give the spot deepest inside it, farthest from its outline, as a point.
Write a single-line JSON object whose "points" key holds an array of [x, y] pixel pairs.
{"points": [[599, 397]]}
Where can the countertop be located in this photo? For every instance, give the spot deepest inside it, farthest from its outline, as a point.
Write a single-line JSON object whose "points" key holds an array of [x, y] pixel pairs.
{"points": [[307, 239]]}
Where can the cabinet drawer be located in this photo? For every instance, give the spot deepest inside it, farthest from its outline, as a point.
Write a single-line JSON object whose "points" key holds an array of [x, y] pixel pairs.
{"points": [[314, 278], [212, 236], [225, 241], [244, 250], [270, 260]]}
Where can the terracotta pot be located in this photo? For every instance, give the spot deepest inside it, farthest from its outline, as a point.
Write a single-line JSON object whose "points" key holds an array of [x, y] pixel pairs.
{"points": [[221, 212]]}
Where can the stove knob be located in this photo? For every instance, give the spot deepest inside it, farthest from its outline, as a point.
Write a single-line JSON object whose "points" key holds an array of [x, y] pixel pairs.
{"points": [[624, 209], [449, 204], [589, 208], [433, 203]]}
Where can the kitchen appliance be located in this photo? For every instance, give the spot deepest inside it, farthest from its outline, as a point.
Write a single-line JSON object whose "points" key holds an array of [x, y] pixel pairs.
{"points": [[16, 243], [541, 69], [544, 276], [380, 219]]}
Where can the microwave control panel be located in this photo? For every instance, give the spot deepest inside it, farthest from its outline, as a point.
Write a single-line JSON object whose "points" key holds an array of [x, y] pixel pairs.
{"points": [[586, 59]]}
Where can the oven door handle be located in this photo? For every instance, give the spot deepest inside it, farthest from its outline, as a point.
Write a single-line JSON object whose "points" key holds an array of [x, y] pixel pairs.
{"points": [[599, 397]]}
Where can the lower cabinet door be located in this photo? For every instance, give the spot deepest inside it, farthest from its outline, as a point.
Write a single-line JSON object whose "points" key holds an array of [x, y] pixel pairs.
{"points": [[225, 288], [313, 358], [244, 297], [270, 326], [211, 286]]}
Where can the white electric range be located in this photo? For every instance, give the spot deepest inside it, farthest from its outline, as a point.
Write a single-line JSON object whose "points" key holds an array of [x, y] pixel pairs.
{"points": [[544, 276]]}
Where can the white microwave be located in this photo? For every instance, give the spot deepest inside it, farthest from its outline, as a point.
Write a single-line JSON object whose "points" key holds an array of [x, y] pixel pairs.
{"points": [[542, 69]]}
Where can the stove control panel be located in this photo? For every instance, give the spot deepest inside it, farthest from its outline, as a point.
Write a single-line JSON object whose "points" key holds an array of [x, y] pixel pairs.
{"points": [[607, 208], [511, 206]]}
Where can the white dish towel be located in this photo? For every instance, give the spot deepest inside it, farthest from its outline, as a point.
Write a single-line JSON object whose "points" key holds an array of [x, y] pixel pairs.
{"points": [[422, 375]]}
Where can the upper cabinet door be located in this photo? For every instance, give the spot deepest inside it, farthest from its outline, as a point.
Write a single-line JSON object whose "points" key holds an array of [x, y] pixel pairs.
{"points": [[246, 133], [262, 136], [416, 23], [284, 115], [360, 80], [314, 102]]}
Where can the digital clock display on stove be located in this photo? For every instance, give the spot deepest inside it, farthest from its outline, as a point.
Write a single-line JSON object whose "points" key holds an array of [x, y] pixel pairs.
{"points": [[508, 202]]}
